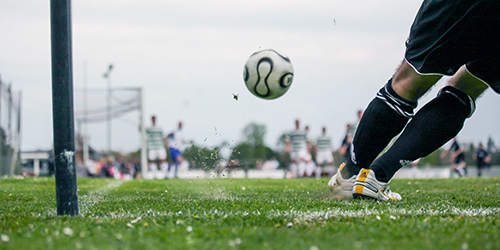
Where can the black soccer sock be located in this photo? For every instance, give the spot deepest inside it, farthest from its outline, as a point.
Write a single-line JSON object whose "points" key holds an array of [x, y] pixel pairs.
{"points": [[384, 118], [435, 124]]}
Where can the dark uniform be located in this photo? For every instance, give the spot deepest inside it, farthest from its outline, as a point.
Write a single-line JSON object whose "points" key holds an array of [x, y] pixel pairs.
{"points": [[481, 155], [448, 34], [459, 158]]}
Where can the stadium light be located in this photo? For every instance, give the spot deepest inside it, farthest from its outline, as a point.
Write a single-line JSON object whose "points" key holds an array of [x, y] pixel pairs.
{"points": [[62, 107], [107, 75]]}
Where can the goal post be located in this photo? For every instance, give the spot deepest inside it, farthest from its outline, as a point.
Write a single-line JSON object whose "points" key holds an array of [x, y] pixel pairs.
{"points": [[144, 150]]}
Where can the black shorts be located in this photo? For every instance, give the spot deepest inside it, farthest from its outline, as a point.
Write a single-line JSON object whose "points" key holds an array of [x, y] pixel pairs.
{"points": [[459, 159], [447, 34]]}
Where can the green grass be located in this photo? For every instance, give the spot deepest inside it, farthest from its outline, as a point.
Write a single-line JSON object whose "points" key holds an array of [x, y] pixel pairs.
{"points": [[249, 214]]}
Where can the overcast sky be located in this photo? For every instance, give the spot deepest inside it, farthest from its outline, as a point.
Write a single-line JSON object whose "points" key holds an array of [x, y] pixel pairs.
{"points": [[188, 56]]}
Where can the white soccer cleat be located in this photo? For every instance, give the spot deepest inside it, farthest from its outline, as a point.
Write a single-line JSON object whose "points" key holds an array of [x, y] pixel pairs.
{"points": [[340, 187], [367, 186]]}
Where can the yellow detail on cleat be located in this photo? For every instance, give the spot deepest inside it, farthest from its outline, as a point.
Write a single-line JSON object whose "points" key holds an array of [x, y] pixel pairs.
{"points": [[363, 175], [383, 192], [342, 166], [334, 186], [359, 189]]}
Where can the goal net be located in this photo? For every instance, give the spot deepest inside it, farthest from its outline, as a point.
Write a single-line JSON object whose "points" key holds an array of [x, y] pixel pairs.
{"points": [[109, 120], [10, 128]]}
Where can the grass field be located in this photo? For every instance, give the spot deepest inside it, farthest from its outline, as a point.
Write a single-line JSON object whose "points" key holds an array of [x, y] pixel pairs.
{"points": [[249, 214]]}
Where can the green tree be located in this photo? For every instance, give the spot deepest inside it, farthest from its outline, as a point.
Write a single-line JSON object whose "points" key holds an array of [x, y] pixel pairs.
{"points": [[283, 156], [433, 159], [282, 141], [254, 134], [253, 148], [203, 158]]}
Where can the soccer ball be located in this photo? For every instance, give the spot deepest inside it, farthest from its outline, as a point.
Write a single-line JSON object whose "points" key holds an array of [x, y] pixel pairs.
{"points": [[268, 74]]}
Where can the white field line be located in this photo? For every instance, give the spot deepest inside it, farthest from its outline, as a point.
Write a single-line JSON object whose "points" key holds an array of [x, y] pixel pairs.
{"points": [[294, 214], [87, 201], [93, 197]]}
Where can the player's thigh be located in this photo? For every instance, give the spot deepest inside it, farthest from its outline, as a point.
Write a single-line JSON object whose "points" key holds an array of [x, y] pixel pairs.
{"points": [[294, 157], [152, 155], [321, 158], [157, 154], [468, 83], [305, 156], [324, 157], [162, 154]]}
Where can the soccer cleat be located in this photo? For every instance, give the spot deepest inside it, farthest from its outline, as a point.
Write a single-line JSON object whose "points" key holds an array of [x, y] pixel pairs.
{"points": [[340, 187], [367, 186]]}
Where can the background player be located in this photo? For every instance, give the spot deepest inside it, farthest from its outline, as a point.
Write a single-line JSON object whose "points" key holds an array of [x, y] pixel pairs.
{"points": [[310, 166], [175, 142], [482, 159], [157, 155], [458, 164], [346, 142], [296, 143], [324, 153]]}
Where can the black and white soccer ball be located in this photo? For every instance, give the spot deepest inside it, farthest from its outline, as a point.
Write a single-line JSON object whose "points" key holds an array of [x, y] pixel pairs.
{"points": [[268, 74]]}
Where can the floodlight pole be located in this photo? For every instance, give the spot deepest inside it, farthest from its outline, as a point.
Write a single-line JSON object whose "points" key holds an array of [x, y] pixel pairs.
{"points": [[85, 133], [62, 107], [107, 75]]}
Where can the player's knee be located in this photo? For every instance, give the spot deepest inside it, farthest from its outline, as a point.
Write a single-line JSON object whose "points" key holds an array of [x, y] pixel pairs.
{"points": [[468, 83], [401, 106], [466, 102], [410, 84]]}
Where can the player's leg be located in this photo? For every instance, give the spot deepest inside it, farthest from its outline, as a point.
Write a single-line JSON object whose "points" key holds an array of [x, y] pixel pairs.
{"points": [[436, 123], [302, 163], [462, 166], [310, 165], [320, 164], [294, 164], [479, 169], [459, 167], [319, 170], [411, 85], [153, 158], [162, 165], [339, 186], [178, 160], [386, 116], [150, 160], [454, 169], [463, 32], [329, 166]]}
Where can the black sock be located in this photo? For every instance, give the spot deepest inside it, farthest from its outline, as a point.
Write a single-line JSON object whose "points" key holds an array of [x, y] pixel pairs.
{"points": [[435, 124], [384, 118]]}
